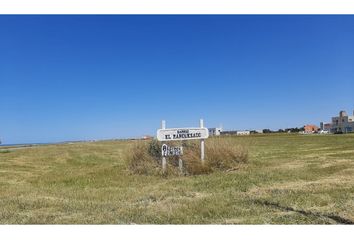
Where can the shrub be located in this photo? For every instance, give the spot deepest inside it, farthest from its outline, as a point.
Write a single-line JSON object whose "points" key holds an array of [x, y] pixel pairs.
{"points": [[154, 149], [220, 154], [140, 160]]}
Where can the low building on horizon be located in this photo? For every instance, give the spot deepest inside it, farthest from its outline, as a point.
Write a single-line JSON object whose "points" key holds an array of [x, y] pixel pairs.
{"points": [[245, 132], [234, 132], [147, 137], [229, 132], [310, 128]]}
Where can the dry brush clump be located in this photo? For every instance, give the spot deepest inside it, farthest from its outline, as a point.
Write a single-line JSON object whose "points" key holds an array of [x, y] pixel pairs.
{"points": [[140, 160], [224, 154], [144, 157]]}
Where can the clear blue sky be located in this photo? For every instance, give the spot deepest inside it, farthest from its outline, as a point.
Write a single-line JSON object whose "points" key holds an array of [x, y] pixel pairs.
{"points": [[100, 77]]}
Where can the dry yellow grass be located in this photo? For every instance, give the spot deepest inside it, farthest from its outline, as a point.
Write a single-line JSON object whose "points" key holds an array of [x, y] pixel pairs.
{"points": [[288, 179]]}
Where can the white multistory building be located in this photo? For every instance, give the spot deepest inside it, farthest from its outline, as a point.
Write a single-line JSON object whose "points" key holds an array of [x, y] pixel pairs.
{"points": [[215, 131], [340, 124]]}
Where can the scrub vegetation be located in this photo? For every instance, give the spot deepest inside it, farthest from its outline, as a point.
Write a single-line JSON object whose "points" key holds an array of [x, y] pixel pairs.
{"points": [[144, 157], [288, 179]]}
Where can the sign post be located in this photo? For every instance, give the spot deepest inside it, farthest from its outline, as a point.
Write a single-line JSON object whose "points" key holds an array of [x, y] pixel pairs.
{"points": [[180, 165], [164, 163], [201, 123], [179, 134]]}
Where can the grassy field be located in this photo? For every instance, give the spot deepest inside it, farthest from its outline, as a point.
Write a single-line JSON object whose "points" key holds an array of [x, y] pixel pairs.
{"points": [[289, 179]]}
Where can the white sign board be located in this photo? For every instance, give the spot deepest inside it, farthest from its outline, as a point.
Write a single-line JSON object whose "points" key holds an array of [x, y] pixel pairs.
{"points": [[171, 151], [177, 134]]}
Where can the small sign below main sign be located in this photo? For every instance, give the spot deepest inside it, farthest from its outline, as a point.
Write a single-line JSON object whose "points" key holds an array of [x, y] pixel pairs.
{"points": [[175, 134], [171, 151]]}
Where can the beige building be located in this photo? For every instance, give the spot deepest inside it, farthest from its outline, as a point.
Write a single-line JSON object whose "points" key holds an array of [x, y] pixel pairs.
{"points": [[340, 124]]}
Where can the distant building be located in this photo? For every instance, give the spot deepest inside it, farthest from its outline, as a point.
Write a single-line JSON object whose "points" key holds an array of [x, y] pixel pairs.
{"points": [[340, 124], [325, 126], [343, 123], [215, 131], [310, 128], [146, 137], [233, 132], [243, 132], [230, 132]]}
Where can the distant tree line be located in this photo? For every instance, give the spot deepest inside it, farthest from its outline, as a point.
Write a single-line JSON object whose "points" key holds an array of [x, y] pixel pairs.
{"points": [[286, 130]]}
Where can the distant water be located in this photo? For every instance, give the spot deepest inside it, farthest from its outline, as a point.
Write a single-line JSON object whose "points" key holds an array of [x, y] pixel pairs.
{"points": [[28, 144], [48, 143], [22, 144]]}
